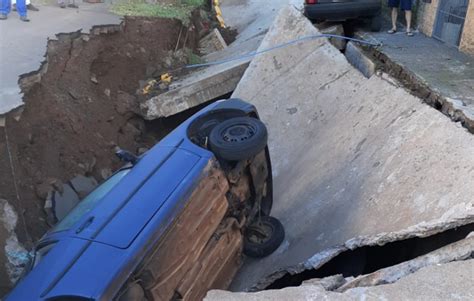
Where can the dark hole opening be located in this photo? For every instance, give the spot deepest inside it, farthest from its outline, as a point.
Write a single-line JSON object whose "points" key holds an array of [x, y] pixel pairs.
{"points": [[366, 260]]}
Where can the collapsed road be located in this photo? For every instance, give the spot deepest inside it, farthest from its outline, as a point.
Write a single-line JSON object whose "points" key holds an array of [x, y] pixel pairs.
{"points": [[357, 162]]}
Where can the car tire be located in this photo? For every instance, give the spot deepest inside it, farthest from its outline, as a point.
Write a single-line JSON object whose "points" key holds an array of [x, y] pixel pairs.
{"points": [[238, 138], [376, 23], [263, 237]]}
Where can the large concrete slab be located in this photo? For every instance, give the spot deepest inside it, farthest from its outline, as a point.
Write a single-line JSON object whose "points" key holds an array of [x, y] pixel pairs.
{"points": [[204, 84], [452, 281], [356, 161], [23, 45]]}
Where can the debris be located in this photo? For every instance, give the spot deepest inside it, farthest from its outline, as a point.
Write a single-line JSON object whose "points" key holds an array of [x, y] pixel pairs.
{"points": [[141, 150], [212, 42], [107, 92], [42, 190], [13, 255], [94, 79], [64, 201], [359, 60], [329, 283], [83, 185], [105, 173]]}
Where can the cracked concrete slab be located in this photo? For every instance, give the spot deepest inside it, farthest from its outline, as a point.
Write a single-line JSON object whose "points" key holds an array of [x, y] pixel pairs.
{"points": [[24, 44], [458, 251], [451, 281], [356, 161]]}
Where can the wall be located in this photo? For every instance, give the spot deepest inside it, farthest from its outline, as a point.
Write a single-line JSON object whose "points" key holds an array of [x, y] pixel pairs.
{"points": [[467, 39], [427, 16]]}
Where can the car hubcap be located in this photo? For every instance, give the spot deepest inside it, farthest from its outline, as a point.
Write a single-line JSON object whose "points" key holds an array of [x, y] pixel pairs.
{"points": [[238, 132], [259, 233]]}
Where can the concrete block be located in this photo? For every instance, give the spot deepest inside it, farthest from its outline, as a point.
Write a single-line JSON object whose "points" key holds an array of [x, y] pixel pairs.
{"points": [[359, 60], [83, 185], [212, 42]]}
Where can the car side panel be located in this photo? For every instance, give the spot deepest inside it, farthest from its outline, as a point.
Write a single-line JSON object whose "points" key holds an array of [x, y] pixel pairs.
{"points": [[187, 238]]}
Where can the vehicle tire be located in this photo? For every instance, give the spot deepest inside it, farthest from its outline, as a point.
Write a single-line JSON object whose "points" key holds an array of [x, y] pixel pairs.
{"points": [[238, 138], [376, 23], [263, 237]]}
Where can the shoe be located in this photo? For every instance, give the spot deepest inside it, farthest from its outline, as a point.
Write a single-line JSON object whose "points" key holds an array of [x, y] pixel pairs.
{"points": [[14, 7], [24, 19], [392, 31], [32, 7], [3, 17], [73, 6], [410, 33], [62, 5]]}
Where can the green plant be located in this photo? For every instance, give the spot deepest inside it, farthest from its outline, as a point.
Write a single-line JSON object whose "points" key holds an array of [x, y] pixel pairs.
{"points": [[180, 10]]}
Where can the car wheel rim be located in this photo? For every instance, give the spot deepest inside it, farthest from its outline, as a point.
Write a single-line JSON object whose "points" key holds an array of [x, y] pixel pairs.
{"points": [[259, 234], [238, 133]]}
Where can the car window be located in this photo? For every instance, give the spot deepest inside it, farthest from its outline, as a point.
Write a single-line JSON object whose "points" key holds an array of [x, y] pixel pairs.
{"points": [[90, 201]]}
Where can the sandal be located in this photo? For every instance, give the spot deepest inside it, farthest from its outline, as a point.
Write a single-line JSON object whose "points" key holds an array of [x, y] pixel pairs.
{"points": [[410, 33], [392, 31]]}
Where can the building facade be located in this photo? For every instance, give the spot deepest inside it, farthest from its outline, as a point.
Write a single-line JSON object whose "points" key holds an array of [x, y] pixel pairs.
{"points": [[450, 21]]}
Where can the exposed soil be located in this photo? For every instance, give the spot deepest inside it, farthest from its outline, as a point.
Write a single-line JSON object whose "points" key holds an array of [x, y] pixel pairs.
{"points": [[82, 109]]}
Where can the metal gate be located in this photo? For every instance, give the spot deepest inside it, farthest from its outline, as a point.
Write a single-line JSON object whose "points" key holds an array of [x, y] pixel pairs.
{"points": [[450, 21]]}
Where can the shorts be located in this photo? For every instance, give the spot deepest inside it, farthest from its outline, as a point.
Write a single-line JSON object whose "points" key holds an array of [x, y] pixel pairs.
{"points": [[405, 4]]}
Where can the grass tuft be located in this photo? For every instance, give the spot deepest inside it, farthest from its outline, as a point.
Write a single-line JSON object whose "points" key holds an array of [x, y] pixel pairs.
{"points": [[181, 10]]}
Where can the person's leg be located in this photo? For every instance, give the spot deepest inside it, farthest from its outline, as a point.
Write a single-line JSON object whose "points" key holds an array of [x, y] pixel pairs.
{"points": [[72, 4], [394, 17], [406, 6], [21, 8], [393, 4], [408, 19], [5, 8]]}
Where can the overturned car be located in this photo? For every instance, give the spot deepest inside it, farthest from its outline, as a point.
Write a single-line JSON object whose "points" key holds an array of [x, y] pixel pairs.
{"points": [[172, 223]]}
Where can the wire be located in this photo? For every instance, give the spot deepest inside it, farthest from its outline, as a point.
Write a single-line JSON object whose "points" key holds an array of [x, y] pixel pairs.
{"points": [[292, 42]]}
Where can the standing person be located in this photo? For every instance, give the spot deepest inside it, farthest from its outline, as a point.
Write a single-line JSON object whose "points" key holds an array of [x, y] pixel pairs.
{"points": [[29, 6], [5, 8], [72, 4], [404, 5]]}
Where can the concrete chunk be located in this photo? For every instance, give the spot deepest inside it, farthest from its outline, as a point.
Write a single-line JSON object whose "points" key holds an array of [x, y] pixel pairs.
{"points": [[212, 42], [198, 89], [359, 60]]}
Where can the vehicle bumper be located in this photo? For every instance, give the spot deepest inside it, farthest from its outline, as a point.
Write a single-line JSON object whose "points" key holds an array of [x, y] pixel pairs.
{"points": [[342, 11]]}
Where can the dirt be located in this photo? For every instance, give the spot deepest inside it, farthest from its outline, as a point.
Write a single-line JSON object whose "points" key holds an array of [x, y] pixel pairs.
{"points": [[83, 108]]}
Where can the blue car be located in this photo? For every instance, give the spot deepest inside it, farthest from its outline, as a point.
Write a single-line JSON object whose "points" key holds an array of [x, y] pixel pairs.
{"points": [[172, 223]]}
